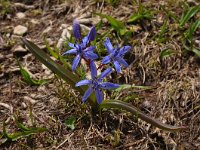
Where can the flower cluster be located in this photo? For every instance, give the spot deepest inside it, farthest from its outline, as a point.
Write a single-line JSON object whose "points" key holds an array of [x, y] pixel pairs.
{"points": [[82, 50]]}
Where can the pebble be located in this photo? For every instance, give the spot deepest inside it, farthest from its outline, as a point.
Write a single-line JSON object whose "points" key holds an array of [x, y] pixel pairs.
{"points": [[34, 21], [65, 34], [47, 30], [20, 30], [20, 15], [28, 99], [1, 57], [19, 49]]}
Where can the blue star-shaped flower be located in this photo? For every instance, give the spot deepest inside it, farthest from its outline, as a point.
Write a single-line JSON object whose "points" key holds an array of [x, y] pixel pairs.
{"points": [[96, 83], [115, 55], [80, 48]]}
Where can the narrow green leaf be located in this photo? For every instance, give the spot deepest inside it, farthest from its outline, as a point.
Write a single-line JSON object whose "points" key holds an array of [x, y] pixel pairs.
{"points": [[189, 14], [116, 24], [139, 114], [142, 13], [58, 69], [166, 53], [192, 29], [20, 125], [51, 51], [135, 17], [127, 86], [17, 135], [196, 51], [5, 132], [70, 122], [27, 78]]}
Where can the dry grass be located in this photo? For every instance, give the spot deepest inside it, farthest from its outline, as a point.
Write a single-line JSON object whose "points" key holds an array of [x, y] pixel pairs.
{"points": [[173, 99]]}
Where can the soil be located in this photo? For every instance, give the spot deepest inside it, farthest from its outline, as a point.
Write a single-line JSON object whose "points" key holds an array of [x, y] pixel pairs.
{"points": [[174, 96]]}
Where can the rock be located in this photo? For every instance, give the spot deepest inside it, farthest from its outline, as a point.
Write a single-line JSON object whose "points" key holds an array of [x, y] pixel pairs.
{"points": [[47, 30], [63, 26], [20, 30], [65, 34], [34, 21], [20, 15], [1, 57], [19, 50], [60, 43], [28, 99]]}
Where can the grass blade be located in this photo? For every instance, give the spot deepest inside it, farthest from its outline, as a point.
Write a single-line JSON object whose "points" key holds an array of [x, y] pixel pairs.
{"points": [[196, 51], [22, 134], [128, 86], [27, 78], [116, 24], [166, 53], [190, 32], [189, 14]]}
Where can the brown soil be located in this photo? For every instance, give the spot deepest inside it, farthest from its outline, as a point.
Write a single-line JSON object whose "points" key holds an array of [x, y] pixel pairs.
{"points": [[174, 97]]}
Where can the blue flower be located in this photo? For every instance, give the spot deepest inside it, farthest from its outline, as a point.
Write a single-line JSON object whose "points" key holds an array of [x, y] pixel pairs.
{"points": [[96, 83], [115, 55], [80, 48]]}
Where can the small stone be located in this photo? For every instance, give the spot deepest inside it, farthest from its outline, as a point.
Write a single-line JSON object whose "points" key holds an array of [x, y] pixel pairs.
{"points": [[19, 50], [65, 34], [60, 43], [50, 41], [34, 21], [20, 30], [24, 105], [20, 15], [63, 26], [1, 57], [28, 99], [47, 30]]}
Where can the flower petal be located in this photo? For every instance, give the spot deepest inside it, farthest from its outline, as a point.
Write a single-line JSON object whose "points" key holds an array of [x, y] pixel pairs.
{"points": [[109, 85], [92, 34], [91, 48], [108, 45], [71, 45], [83, 82], [117, 66], [104, 74], [75, 62], [90, 55], [87, 94], [99, 96], [93, 69], [76, 29], [72, 51], [124, 50], [122, 61], [106, 60], [85, 41]]}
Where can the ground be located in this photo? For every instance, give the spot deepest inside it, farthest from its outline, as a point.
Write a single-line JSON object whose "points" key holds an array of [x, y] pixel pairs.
{"points": [[173, 76]]}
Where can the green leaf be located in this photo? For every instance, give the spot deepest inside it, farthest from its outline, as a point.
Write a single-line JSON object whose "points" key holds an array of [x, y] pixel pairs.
{"points": [[196, 51], [70, 122], [25, 132], [140, 15], [166, 53], [189, 33], [17, 135], [116, 24], [58, 69], [139, 114], [27, 78], [51, 51], [128, 86], [189, 14]]}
